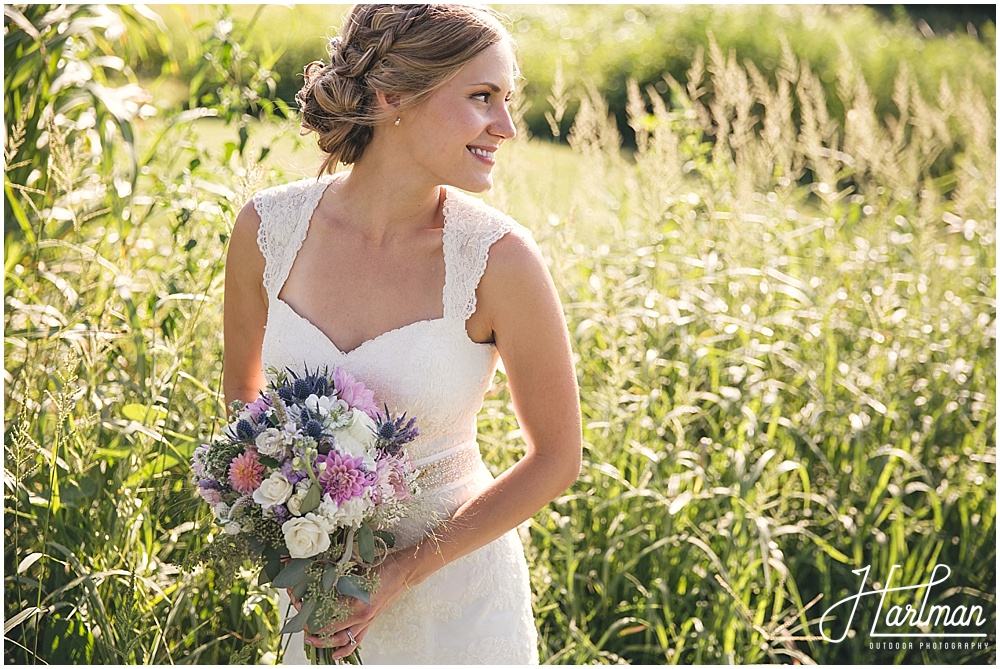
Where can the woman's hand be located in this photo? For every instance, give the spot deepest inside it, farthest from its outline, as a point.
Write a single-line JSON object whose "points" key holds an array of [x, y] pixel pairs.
{"points": [[394, 579]]}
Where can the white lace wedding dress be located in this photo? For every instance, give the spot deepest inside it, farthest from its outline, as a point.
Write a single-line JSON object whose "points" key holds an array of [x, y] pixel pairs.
{"points": [[478, 608]]}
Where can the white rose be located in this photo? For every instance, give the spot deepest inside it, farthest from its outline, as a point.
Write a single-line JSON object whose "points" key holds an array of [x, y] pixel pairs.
{"points": [[272, 441], [294, 503], [276, 489], [306, 537], [357, 436]]}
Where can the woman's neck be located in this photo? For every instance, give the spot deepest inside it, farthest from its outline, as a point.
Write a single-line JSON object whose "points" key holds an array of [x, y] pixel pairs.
{"points": [[382, 202]]}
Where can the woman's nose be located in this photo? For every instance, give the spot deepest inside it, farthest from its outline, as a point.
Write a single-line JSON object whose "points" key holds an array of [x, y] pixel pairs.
{"points": [[503, 124]]}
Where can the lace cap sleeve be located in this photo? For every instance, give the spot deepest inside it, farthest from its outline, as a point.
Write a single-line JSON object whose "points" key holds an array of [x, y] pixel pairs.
{"points": [[471, 228], [284, 221]]}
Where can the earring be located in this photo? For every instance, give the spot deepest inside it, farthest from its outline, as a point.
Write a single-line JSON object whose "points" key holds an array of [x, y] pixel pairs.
{"points": [[397, 121]]}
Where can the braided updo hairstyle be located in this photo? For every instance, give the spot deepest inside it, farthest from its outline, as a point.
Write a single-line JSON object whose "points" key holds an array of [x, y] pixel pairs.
{"points": [[403, 50]]}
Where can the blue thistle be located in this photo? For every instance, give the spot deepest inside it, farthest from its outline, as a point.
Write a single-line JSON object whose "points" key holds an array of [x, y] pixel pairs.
{"points": [[302, 388], [394, 433], [245, 430], [313, 428]]}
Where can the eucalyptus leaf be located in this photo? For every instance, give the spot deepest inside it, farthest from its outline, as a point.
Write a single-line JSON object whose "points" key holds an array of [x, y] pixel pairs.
{"points": [[268, 461], [351, 586], [299, 589], [292, 574], [366, 543], [387, 537], [311, 500], [298, 623], [272, 567]]}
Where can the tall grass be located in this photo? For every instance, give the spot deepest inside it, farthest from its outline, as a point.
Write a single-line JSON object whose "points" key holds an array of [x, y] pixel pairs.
{"points": [[785, 336], [786, 346], [112, 362]]}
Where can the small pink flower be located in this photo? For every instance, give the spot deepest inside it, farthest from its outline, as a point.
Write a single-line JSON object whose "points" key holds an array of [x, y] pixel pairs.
{"points": [[354, 392], [245, 472], [258, 407], [342, 478]]}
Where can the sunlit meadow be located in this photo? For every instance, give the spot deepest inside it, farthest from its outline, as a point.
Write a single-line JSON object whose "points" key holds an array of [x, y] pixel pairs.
{"points": [[783, 319]]}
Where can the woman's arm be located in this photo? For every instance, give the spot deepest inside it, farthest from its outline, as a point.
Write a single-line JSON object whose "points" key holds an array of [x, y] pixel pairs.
{"points": [[530, 332], [244, 311], [520, 303]]}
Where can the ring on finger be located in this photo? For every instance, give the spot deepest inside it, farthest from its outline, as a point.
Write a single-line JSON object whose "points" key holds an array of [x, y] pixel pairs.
{"points": [[350, 636]]}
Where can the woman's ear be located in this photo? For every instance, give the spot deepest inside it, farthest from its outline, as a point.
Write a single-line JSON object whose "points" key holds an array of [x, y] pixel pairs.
{"points": [[388, 103]]}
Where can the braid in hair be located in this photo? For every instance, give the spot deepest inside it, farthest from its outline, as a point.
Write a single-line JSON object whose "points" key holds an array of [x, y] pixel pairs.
{"points": [[404, 50]]}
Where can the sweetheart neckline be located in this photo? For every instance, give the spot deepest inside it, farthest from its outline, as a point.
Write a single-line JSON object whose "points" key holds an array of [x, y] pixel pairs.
{"points": [[360, 346]]}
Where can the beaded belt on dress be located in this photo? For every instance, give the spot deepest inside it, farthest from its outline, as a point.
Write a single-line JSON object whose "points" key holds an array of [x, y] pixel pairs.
{"points": [[451, 468]]}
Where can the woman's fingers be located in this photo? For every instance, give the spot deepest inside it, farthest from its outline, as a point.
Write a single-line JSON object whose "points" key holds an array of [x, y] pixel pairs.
{"points": [[339, 643], [331, 640]]}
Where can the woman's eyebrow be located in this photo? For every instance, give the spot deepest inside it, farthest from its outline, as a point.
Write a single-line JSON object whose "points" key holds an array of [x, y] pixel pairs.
{"points": [[493, 87]]}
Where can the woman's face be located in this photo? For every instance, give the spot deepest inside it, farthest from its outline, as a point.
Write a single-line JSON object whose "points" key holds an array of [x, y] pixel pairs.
{"points": [[453, 135]]}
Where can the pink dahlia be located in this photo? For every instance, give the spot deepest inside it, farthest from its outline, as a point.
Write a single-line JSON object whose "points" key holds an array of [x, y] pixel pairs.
{"points": [[245, 472], [343, 478], [390, 482], [354, 392]]}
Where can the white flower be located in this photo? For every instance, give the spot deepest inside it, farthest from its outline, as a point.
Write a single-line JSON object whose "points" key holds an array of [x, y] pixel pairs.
{"points": [[221, 511], [230, 431], [274, 490], [306, 537], [350, 513], [294, 503], [324, 406], [273, 441], [232, 527], [357, 436]]}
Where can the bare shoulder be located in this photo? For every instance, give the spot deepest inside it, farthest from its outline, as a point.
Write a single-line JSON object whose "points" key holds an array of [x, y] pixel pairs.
{"points": [[246, 228], [244, 259], [516, 291], [516, 269], [248, 220], [514, 254]]}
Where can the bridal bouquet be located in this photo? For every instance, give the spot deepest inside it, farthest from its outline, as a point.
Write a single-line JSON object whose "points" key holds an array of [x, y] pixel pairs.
{"points": [[304, 483]]}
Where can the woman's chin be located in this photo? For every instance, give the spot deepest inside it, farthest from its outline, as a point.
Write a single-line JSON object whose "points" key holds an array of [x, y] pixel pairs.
{"points": [[476, 185]]}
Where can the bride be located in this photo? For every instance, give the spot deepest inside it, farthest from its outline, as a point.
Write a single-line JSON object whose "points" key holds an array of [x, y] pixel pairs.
{"points": [[418, 290]]}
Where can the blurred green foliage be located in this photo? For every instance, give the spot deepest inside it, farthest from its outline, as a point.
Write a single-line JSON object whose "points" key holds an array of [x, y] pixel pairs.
{"points": [[115, 238], [605, 45]]}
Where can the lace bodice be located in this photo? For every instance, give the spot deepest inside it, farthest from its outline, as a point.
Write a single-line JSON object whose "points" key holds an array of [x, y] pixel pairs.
{"points": [[478, 608], [430, 369]]}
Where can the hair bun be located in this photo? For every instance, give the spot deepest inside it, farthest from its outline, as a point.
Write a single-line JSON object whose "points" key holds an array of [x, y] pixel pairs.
{"points": [[403, 50]]}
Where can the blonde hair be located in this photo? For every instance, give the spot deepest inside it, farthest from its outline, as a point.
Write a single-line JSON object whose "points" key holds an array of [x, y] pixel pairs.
{"points": [[402, 50]]}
